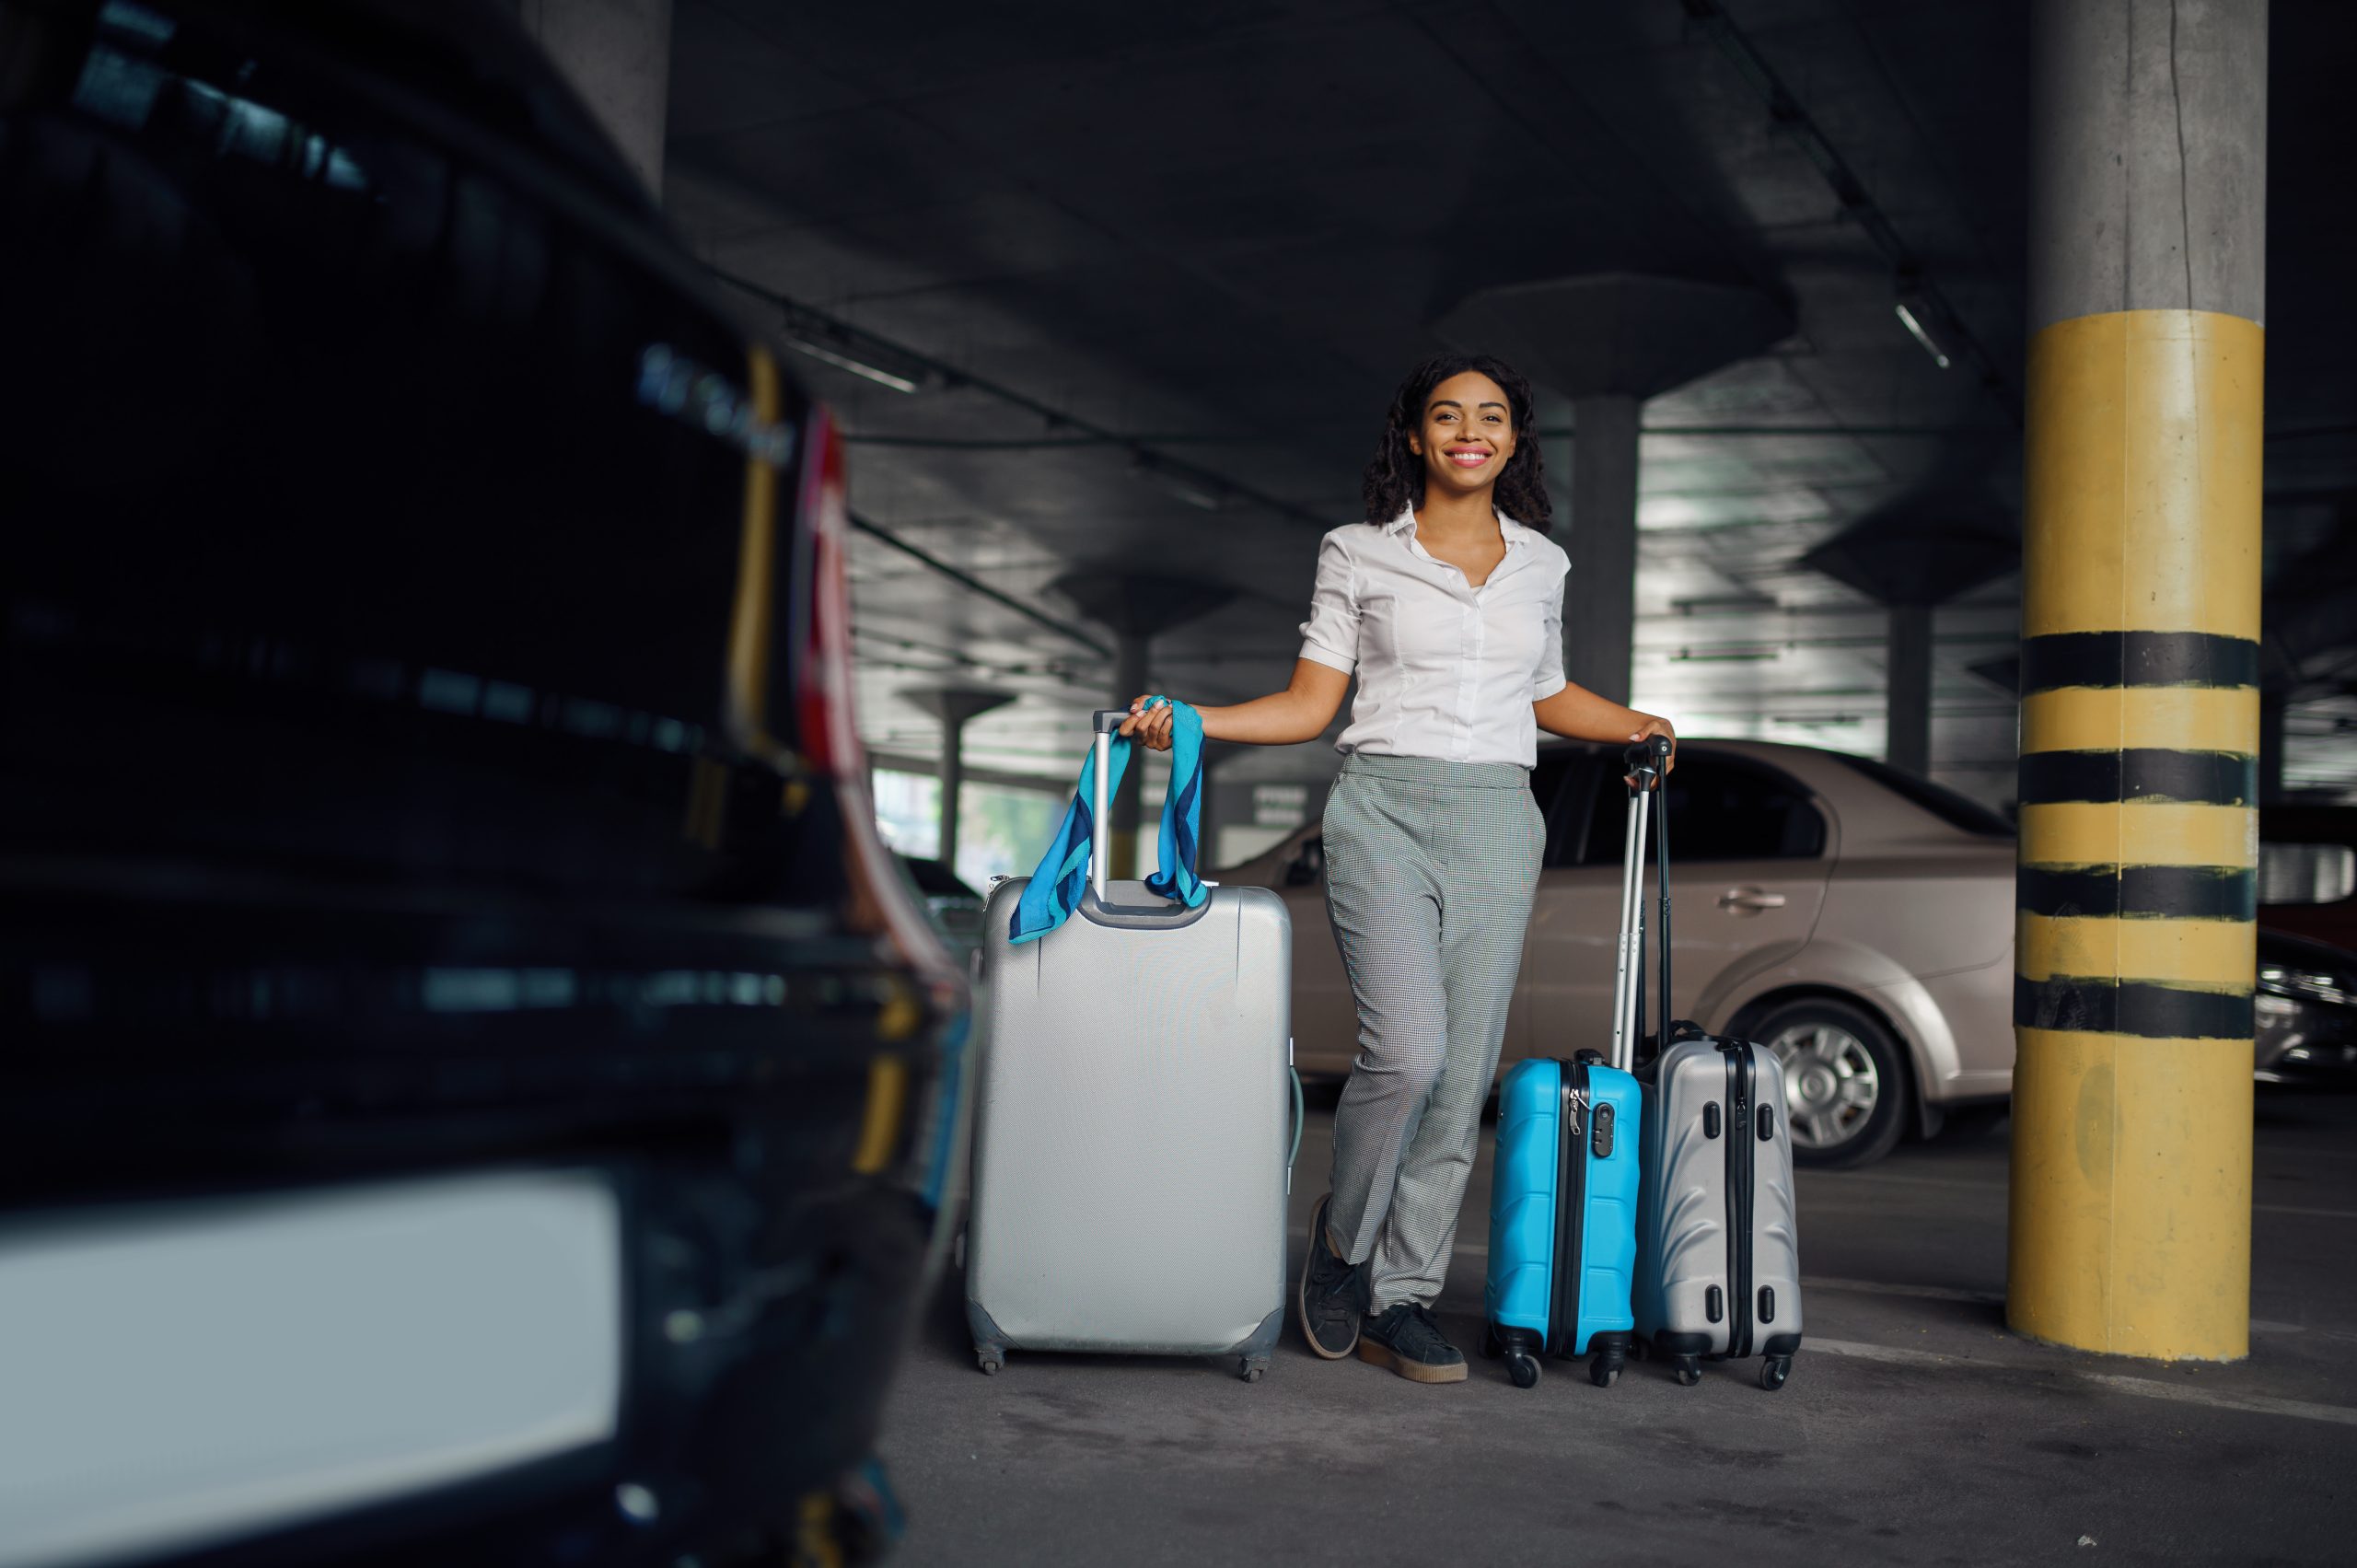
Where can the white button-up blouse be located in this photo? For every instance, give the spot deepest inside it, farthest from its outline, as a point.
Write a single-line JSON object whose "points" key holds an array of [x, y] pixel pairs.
{"points": [[1445, 669]]}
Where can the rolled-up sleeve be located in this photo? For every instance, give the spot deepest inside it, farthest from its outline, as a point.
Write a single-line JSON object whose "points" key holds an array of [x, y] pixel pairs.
{"points": [[1330, 635], [1546, 678]]}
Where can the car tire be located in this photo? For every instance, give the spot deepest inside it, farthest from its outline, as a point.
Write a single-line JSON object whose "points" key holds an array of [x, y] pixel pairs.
{"points": [[1846, 1087]]}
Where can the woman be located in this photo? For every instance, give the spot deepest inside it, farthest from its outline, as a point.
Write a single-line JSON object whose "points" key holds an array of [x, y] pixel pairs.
{"points": [[1448, 603]]}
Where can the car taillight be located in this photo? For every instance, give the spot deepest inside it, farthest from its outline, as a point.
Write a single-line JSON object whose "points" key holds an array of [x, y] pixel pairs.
{"points": [[825, 725]]}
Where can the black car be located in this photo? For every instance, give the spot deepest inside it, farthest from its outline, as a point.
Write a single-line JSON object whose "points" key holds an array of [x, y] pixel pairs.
{"points": [[956, 908], [473, 1085], [2305, 1011]]}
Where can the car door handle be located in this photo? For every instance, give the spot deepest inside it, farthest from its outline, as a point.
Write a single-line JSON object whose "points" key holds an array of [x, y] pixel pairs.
{"points": [[1750, 901]]}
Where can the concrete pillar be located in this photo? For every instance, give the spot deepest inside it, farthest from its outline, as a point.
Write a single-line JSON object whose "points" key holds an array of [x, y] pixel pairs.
{"points": [[1602, 543], [617, 55], [1130, 679], [1207, 814], [955, 707], [2135, 948], [1914, 555], [1907, 721]]}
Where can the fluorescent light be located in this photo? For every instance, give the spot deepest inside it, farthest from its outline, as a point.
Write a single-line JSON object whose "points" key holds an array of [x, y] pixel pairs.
{"points": [[1915, 328], [856, 366], [1195, 489], [1737, 603], [1723, 654]]}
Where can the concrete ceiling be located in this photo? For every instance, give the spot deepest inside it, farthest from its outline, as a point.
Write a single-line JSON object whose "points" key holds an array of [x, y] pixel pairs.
{"points": [[1221, 232]]}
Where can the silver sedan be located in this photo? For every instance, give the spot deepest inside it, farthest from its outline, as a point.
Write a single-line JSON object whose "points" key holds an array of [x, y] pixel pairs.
{"points": [[1856, 919]]}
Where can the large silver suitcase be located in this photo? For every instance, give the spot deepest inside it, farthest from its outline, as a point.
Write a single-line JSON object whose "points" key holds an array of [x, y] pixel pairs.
{"points": [[1718, 1230], [1131, 1158]]}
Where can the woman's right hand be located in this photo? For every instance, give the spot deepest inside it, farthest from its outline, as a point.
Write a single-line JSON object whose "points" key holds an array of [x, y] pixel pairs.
{"points": [[1150, 725]]}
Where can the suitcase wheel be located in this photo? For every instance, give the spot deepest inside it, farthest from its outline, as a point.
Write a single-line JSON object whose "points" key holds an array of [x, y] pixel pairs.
{"points": [[1252, 1368], [1689, 1371], [1773, 1371], [989, 1358], [1523, 1367], [1491, 1349], [1611, 1354]]}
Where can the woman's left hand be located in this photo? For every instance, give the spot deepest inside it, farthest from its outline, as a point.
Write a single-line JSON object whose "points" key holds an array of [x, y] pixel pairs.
{"points": [[1653, 726]]}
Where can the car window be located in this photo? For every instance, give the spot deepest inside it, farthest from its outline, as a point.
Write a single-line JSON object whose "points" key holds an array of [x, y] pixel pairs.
{"points": [[1718, 809], [1546, 778], [1558, 786], [936, 880], [1567, 813], [1959, 811]]}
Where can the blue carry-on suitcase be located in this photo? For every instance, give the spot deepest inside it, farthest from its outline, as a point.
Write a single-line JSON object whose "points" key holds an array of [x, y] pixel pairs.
{"points": [[1563, 1190]]}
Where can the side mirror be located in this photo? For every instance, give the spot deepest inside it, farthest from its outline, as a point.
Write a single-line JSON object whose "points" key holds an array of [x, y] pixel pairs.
{"points": [[1307, 866]]}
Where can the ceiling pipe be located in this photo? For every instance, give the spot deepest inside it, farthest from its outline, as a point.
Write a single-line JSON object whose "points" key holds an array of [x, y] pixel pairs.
{"points": [[802, 324]]}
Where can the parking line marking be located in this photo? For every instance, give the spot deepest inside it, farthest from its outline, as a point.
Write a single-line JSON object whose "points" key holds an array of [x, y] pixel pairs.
{"points": [[1998, 1190], [1982, 1299], [2143, 1387], [1928, 1293], [2259, 1404], [1892, 1353], [1864, 1177]]}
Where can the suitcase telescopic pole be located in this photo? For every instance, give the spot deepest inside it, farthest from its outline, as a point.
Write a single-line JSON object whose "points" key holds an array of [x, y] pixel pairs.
{"points": [[1100, 804], [1646, 765], [1628, 975]]}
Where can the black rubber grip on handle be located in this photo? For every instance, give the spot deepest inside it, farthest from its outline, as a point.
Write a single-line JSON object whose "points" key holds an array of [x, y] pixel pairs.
{"points": [[1647, 753], [1105, 721]]}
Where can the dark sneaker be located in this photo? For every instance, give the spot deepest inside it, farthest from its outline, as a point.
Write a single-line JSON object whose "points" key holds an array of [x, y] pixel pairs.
{"points": [[1407, 1339], [1332, 1309]]}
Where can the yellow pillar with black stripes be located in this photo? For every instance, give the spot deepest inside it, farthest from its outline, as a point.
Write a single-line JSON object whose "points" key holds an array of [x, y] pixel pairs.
{"points": [[2134, 945]]}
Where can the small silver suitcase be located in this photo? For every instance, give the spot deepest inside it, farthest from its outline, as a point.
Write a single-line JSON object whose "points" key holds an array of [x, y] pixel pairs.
{"points": [[1131, 1160], [1718, 1230], [1718, 1249]]}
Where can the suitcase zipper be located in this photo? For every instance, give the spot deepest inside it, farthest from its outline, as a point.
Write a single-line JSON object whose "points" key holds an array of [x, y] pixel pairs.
{"points": [[1740, 1200], [1571, 1207]]}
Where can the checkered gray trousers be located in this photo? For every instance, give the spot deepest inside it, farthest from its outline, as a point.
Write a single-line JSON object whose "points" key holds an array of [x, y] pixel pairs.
{"points": [[1430, 870]]}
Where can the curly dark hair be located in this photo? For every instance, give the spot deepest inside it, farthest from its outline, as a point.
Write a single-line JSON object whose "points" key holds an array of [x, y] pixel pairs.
{"points": [[1395, 478]]}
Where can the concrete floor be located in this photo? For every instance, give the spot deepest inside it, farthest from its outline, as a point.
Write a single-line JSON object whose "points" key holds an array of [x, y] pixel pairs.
{"points": [[1915, 1428]]}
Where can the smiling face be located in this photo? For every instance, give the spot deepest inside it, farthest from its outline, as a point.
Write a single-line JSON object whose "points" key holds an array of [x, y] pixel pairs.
{"points": [[1467, 435]]}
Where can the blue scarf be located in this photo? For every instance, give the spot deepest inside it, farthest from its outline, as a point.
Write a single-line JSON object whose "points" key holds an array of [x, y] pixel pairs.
{"points": [[1056, 889]]}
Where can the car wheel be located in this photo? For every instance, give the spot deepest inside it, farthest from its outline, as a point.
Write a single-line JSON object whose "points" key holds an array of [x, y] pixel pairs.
{"points": [[1845, 1089]]}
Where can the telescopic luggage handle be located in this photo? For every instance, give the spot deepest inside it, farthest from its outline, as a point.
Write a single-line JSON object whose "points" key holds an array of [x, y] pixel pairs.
{"points": [[1647, 762], [1629, 971], [1106, 722]]}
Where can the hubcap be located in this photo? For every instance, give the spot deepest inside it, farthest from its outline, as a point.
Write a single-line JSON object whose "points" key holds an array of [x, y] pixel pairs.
{"points": [[1831, 1084]]}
